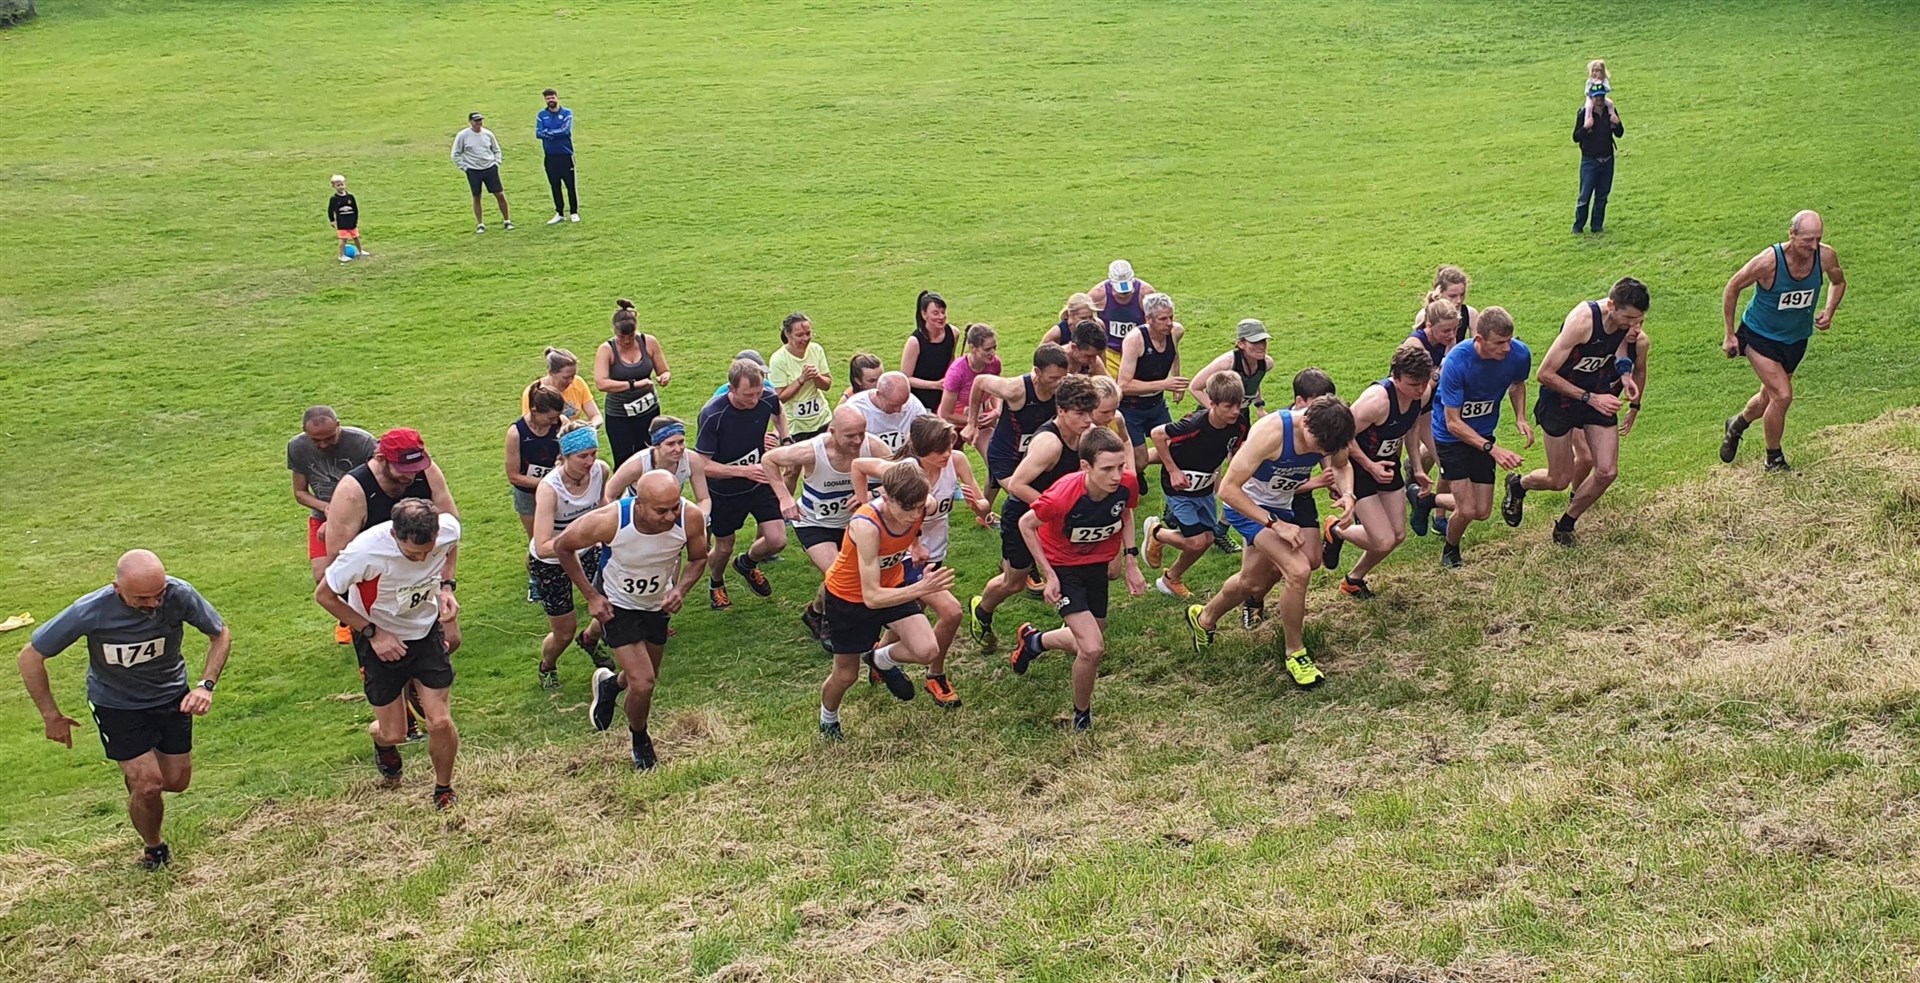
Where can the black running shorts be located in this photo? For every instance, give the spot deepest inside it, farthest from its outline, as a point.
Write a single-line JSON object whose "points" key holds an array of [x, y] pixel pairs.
{"points": [[854, 628], [631, 627], [1787, 354], [730, 512], [128, 734], [426, 663], [1558, 415], [1083, 588], [1461, 462]]}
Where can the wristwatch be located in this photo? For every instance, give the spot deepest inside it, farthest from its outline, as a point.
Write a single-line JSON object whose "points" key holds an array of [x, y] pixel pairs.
{"points": [[1486, 448], [206, 684], [449, 583], [1634, 405], [367, 632], [1133, 551], [1586, 397]]}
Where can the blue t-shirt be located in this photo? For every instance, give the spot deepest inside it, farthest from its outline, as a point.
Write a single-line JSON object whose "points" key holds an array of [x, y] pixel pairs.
{"points": [[1477, 386], [134, 658], [730, 435]]}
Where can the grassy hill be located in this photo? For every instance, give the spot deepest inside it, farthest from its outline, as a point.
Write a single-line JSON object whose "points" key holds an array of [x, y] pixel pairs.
{"points": [[1684, 751]]}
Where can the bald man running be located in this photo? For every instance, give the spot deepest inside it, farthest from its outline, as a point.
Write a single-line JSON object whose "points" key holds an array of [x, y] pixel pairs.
{"points": [[136, 682], [1773, 331], [642, 584], [890, 409]]}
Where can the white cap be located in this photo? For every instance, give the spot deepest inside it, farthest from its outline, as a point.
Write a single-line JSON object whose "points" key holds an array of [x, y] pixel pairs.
{"points": [[1121, 273]]}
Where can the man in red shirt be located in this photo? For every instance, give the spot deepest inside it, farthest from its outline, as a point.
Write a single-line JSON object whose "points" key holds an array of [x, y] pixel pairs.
{"points": [[1074, 531]]}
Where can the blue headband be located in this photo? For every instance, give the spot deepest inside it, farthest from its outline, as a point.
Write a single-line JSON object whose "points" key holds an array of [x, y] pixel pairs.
{"points": [[669, 432], [579, 439]]}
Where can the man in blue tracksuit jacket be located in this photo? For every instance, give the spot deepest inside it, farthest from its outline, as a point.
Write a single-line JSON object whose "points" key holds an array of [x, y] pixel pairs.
{"points": [[554, 127]]}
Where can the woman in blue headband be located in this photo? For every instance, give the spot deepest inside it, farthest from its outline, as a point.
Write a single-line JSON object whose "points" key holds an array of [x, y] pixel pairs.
{"points": [[568, 492]]}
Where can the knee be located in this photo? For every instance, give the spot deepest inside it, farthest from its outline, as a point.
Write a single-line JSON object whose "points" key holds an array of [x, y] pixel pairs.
{"points": [[1475, 511], [1399, 536], [1092, 654], [1780, 393], [439, 718], [1557, 480], [1201, 541], [639, 684], [775, 537], [564, 625], [145, 786], [1605, 473], [179, 782]]}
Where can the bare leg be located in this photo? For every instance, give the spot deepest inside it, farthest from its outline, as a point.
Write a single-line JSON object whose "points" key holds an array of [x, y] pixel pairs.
{"points": [[846, 670], [639, 669], [1381, 526], [501, 198], [1605, 445], [560, 629], [722, 550], [443, 739], [1771, 403], [145, 783], [1559, 472], [478, 219]]}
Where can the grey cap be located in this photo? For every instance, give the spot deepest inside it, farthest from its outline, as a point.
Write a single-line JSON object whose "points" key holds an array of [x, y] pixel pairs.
{"points": [[1251, 330], [749, 353]]}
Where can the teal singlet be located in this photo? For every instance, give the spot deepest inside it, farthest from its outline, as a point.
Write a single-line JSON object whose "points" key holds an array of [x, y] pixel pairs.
{"points": [[1785, 312]]}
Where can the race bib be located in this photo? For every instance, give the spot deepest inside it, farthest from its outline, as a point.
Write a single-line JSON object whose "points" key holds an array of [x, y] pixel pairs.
{"points": [[830, 508], [1093, 534], [892, 440], [1388, 448], [538, 471], [810, 407], [1198, 481], [752, 457], [1025, 439], [1477, 408], [409, 598], [1120, 329], [133, 653], [643, 404], [1283, 483], [1795, 300], [895, 559], [643, 586], [945, 509]]}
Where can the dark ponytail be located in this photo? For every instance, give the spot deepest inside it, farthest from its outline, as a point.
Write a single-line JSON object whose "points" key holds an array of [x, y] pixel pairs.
{"points": [[625, 320], [927, 298]]}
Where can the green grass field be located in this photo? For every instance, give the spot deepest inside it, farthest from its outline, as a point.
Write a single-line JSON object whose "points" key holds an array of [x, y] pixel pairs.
{"points": [[1685, 752]]}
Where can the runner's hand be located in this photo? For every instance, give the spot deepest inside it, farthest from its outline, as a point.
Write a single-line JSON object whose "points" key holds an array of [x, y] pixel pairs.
{"points": [[449, 608], [1286, 532], [1381, 471], [670, 603], [1626, 425], [60, 729], [388, 647], [1136, 581], [1344, 505], [1178, 479], [1823, 320], [1526, 430], [1423, 482], [938, 580], [756, 472], [1051, 593], [1505, 459], [1606, 404], [662, 378], [197, 702], [1731, 345], [600, 609], [791, 510], [1629, 388]]}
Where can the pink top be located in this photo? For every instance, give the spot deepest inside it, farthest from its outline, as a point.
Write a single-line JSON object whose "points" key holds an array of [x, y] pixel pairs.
{"points": [[960, 376]]}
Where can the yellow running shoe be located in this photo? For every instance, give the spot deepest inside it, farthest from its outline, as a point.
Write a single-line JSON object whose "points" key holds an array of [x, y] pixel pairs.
{"points": [[1305, 674], [1202, 637]]}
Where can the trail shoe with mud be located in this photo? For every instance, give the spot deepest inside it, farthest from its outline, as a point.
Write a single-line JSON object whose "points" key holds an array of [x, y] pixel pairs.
{"points": [[386, 760], [1156, 550], [643, 757], [831, 732], [1025, 650], [1356, 589], [1735, 428], [1330, 543], [444, 797], [156, 857], [1514, 505], [1305, 674], [942, 692], [1450, 557], [755, 579]]}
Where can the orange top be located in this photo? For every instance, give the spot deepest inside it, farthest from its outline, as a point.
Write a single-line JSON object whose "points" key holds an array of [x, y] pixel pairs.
{"points": [[843, 577]]}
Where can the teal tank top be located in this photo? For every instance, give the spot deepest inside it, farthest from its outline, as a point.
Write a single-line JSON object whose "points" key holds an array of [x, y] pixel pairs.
{"points": [[1785, 312]]}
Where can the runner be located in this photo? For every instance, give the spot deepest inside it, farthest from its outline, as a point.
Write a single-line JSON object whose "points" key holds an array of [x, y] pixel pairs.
{"points": [[1435, 330], [824, 465], [1074, 531], [567, 492], [1263, 489], [1249, 360], [1118, 299], [1309, 384], [319, 456], [933, 444], [929, 350], [631, 369], [1026, 402], [1079, 309], [867, 594], [1197, 445], [982, 358], [1087, 355], [889, 408], [726, 459], [1149, 370], [1383, 418], [533, 445], [642, 538], [563, 377], [1047, 458], [668, 452], [800, 375], [136, 682], [863, 373], [390, 587], [1468, 399], [399, 469], [1600, 355], [1776, 325]]}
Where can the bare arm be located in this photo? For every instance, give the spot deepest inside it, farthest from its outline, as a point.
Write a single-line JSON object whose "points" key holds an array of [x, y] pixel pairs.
{"points": [[1460, 430], [1830, 264], [1042, 453], [603, 379], [345, 515], [1010, 391], [33, 672], [338, 607], [1758, 267], [866, 540], [1572, 331], [524, 482], [596, 528], [623, 478], [1130, 348], [543, 505], [442, 495], [1030, 533], [661, 373], [218, 648], [1198, 384], [303, 493]]}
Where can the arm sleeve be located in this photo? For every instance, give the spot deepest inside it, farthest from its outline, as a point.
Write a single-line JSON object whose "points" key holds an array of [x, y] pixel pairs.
{"points": [[55, 636], [1619, 129], [333, 210], [1186, 424], [1579, 123]]}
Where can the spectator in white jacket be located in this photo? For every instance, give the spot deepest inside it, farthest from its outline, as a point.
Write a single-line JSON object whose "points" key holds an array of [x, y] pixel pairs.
{"points": [[476, 152]]}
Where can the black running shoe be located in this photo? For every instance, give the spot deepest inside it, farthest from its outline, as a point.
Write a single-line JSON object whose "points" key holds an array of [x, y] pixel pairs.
{"points": [[1251, 615], [896, 679], [1514, 505], [815, 621], [444, 797], [755, 579], [1730, 438], [387, 761], [606, 693], [1420, 517], [831, 732], [1450, 557], [643, 757], [1224, 543], [1082, 720], [1778, 465], [1356, 589], [1330, 543], [156, 857], [1563, 535]]}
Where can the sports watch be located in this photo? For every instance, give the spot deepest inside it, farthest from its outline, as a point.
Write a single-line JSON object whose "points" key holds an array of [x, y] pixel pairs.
{"points": [[206, 684], [1486, 448]]}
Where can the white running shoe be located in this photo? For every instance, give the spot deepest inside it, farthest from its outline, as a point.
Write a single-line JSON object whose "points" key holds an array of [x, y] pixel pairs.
{"points": [[556, 219], [479, 228], [575, 217], [344, 258], [507, 225]]}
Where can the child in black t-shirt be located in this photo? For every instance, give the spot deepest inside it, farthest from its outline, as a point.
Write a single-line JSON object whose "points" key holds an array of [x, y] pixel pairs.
{"points": [[344, 214]]}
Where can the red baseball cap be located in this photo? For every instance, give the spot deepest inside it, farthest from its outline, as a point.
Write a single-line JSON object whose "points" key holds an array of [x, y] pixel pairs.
{"points": [[403, 451]]}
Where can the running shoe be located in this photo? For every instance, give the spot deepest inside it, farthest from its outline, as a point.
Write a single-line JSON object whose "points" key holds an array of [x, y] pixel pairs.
{"points": [[1156, 550], [1083, 720], [980, 624], [1330, 543], [342, 635], [1450, 557], [1171, 588], [443, 796], [1202, 637], [644, 758], [815, 621], [1251, 615], [414, 734], [478, 229], [1562, 536], [507, 225], [1419, 516], [831, 732], [1730, 438], [1356, 589], [1036, 585], [606, 693], [386, 760], [1020, 658], [1223, 542], [549, 677], [755, 579], [155, 857], [1778, 465], [1514, 505], [1305, 674], [717, 598], [556, 219], [1440, 525], [595, 654], [896, 679], [942, 692]]}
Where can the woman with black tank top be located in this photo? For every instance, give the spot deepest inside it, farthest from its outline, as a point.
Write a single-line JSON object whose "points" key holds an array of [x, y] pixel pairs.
{"points": [[631, 369], [1430, 332], [929, 349], [533, 444]]}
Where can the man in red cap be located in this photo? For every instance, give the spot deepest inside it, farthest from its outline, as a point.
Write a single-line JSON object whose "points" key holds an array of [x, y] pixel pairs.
{"points": [[399, 469]]}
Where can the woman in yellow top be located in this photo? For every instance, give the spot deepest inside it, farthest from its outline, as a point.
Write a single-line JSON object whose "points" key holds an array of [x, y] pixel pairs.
{"points": [[799, 371], [563, 377]]}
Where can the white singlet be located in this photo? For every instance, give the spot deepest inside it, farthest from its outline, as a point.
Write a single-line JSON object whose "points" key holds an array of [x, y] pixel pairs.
{"points": [[638, 568]]}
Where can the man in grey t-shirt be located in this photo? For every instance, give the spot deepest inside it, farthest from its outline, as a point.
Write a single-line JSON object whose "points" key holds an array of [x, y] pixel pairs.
{"points": [[319, 457], [136, 681]]}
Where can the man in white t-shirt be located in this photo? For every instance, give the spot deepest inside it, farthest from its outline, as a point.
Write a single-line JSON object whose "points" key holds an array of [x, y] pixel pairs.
{"points": [[889, 408], [386, 586]]}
